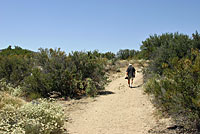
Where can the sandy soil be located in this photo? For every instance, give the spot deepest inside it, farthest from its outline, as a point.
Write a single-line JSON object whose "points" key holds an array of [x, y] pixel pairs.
{"points": [[118, 110]]}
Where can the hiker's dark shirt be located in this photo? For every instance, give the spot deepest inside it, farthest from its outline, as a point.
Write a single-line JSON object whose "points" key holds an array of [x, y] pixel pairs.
{"points": [[131, 71]]}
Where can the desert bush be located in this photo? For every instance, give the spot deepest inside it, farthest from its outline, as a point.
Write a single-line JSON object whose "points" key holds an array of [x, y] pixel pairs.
{"points": [[50, 73], [14, 68], [86, 65], [36, 117], [125, 54], [48, 116], [52, 70], [162, 49], [109, 55], [55, 71], [177, 91], [15, 64], [173, 76], [91, 88], [7, 99], [16, 51], [10, 88]]}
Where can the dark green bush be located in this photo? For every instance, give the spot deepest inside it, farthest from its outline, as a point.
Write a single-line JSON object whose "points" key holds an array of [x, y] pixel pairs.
{"points": [[16, 51], [14, 68], [125, 54], [108, 55], [174, 74], [161, 49], [15, 64], [55, 71], [178, 90], [52, 70]]}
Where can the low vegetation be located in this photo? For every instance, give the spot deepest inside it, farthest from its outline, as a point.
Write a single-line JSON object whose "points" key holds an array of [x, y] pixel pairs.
{"points": [[50, 70], [127, 54], [27, 78], [36, 117], [174, 76]]}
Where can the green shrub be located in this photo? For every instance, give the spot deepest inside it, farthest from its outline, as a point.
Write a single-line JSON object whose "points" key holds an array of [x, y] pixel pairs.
{"points": [[91, 88], [14, 68], [36, 117], [38, 82], [33, 95], [6, 99], [50, 70], [175, 59], [109, 55], [15, 64], [162, 48], [9, 88], [55, 71], [127, 54], [177, 91], [16, 51], [47, 116]]}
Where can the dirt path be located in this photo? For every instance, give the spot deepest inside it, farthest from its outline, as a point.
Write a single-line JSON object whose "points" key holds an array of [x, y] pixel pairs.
{"points": [[119, 110]]}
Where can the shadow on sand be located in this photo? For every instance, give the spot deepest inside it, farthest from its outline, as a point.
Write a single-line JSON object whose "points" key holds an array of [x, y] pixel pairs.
{"points": [[105, 93], [137, 86]]}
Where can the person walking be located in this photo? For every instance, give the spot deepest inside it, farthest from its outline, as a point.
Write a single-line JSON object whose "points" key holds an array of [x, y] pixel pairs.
{"points": [[130, 73]]}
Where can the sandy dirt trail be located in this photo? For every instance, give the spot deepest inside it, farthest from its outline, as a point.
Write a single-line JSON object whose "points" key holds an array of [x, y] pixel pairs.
{"points": [[121, 110]]}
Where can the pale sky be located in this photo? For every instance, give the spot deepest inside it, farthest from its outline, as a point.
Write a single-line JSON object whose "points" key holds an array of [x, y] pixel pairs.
{"points": [[83, 25]]}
